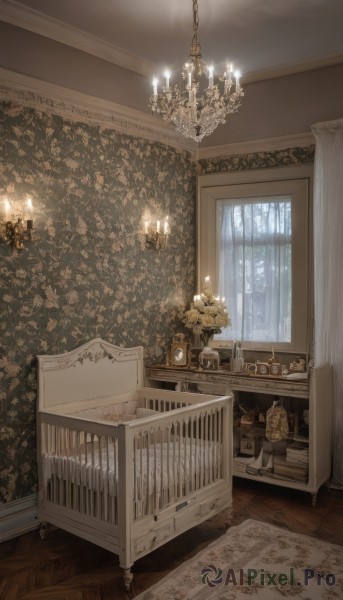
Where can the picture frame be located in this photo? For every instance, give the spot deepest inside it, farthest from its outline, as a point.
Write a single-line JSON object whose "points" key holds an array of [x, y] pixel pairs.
{"points": [[262, 368], [276, 369], [179, 354]]}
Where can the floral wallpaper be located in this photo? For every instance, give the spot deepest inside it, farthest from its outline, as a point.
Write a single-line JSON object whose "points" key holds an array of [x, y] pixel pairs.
{"points": [[87, 272], [257, 160]]}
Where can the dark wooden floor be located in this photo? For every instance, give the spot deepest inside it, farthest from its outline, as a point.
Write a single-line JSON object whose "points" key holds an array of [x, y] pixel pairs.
{"points": [[63, 567]]}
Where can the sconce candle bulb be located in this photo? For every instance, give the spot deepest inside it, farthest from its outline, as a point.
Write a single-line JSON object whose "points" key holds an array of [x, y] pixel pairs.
{"points": [[7, 210]]}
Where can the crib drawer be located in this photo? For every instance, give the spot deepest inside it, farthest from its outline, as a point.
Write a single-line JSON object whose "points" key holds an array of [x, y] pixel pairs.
{"points": [[216, 504], [186, 516], [148, 540]]}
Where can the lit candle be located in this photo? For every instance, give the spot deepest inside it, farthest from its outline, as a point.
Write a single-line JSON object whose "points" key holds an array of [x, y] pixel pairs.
{"points": [[190, 78], [228, 76], [29, 220], [7, 210], [158, 227], [167, 76], [146, 227], [237, 76], [29, 208], [166, 226], [154, 83], [210, 76]]}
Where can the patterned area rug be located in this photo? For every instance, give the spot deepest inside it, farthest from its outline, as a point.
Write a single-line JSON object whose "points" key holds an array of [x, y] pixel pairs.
{"points": [[256, 560]]}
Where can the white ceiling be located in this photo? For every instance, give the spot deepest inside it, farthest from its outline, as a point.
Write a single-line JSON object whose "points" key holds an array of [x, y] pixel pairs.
{"points": [[262, 37]]}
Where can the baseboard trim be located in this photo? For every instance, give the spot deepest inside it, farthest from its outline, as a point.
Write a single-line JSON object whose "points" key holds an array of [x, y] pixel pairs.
{"points": [[18, 517]]}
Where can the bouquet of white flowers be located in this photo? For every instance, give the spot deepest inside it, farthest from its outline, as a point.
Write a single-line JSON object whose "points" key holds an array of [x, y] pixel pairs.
{"points": [[207, 314]]}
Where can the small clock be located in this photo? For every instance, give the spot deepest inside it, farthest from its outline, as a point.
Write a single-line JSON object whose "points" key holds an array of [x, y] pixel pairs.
{"points": [[276, 369], [179, 351], [262, 368]]}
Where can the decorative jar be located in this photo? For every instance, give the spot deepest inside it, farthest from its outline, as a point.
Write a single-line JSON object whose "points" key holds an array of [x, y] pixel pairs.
{"points": [[209, 359]]}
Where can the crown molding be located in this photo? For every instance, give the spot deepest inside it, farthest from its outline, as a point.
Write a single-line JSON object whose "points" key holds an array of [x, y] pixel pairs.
{"points": [[293, 69], [296, 140], [27, 18], [55, 99]]}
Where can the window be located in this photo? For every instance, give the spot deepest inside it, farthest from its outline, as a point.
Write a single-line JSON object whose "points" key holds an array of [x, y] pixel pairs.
{"points": [[253, 242]]}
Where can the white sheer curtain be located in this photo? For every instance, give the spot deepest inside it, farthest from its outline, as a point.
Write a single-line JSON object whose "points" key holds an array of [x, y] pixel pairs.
{"points": [[254, 267], [328, 271]]}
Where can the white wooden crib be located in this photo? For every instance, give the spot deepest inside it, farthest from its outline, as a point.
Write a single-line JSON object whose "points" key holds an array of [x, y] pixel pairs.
{"points": [[124, 466]]}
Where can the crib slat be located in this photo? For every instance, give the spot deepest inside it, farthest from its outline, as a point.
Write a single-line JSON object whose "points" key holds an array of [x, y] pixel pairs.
{"points": [[168, 499], [206, 449], [221, 471], [211, 449], [155, 471], [191, 451], [160, 436]]}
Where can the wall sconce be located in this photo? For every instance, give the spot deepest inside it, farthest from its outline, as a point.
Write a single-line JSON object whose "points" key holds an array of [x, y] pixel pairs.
{"points": [[154, 237], [18, 226]]}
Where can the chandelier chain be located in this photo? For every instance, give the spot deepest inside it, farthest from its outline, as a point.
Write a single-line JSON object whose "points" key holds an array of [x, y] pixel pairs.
{"points": [[195, 19]]}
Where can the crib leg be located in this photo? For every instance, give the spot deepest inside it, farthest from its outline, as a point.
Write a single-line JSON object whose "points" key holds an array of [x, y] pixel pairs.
{"points": [[43, 530], [127, 578]]}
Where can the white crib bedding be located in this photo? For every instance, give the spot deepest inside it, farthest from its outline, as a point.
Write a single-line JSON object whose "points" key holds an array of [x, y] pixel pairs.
{"points": [[167, 463], [116, 412]]}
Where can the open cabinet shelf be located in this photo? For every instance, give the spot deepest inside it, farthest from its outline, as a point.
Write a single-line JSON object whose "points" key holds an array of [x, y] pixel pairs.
{"points": [[312, 394]]}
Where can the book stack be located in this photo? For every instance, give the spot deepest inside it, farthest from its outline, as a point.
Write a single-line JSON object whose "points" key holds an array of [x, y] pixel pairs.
{"points": [[293, 465], [240, 463], [298, 453]]}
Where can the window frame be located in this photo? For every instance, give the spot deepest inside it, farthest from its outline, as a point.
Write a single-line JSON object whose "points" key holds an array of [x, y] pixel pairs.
{"points": [[295, 181]]}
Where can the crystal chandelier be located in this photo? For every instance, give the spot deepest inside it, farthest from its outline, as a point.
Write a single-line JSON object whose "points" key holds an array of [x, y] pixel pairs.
{"points": [[197, 110]]}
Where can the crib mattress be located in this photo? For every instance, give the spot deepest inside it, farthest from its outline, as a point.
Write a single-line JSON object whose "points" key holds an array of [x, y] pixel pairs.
{"points": [[166, 463]]}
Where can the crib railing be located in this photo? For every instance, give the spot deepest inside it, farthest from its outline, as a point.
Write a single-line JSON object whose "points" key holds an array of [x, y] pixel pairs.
{"points": [[79, 465], [100, 469], [177, 455]]}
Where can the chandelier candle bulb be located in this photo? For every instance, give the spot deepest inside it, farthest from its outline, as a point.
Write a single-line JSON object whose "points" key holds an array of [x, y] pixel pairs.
{"points": [[237, 76], [210, 76], [167, 76], [158, 227], [146, 227], [189, 78], [166, 227], [154, 83]]}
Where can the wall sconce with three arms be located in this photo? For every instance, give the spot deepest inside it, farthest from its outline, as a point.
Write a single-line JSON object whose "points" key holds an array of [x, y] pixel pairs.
{"points": [[18, 223], [154, 236]]}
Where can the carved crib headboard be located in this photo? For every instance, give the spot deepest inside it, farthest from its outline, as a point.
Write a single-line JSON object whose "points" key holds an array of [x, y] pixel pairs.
{"points": [[96, 369]]}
